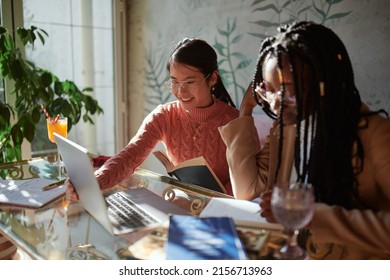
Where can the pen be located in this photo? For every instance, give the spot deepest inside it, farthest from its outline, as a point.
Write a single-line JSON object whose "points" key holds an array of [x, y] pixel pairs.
{"points": [[53, 185]]}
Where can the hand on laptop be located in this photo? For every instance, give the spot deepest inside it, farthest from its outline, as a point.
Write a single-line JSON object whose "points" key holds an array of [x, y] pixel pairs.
{"points": [[71, 193]]}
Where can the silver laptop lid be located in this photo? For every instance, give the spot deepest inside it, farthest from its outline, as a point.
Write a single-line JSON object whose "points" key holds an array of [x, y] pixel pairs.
{"points": [[81, 174]]}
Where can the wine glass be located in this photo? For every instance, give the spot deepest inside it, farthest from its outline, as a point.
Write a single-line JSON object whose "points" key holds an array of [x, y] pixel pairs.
{"points": [[292, 206], [60, 126]]}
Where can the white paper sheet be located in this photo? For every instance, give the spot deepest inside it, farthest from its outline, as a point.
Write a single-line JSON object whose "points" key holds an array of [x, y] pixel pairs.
{"points": [[243, 212]]}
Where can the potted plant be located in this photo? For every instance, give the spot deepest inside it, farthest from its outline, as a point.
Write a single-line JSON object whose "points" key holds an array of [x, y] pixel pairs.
{"points": [[34, 86]]}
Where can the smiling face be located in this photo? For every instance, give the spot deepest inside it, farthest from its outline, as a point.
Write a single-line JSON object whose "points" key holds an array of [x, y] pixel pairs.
{"points": [[182, 75]]}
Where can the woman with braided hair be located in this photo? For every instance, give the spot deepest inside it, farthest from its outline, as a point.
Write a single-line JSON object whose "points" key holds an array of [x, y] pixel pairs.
{"points": [[188, 126], [324, 135]]}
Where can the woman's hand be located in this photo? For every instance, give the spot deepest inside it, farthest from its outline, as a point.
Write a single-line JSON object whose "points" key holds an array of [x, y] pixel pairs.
{"points": [[71, 193], [265, 205], [248, 102]]}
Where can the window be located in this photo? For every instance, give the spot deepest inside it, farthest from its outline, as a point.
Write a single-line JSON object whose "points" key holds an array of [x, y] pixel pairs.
{"points": [[79, 48]]}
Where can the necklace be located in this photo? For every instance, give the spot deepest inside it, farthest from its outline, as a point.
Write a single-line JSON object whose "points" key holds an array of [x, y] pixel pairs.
{"points": [[195, 128]]}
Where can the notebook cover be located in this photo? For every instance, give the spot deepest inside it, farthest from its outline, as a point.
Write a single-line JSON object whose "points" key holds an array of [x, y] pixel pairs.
{"points": [[209, 238]]}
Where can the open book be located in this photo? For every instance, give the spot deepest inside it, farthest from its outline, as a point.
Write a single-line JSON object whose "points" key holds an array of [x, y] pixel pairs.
{"points": [[193, 171]]}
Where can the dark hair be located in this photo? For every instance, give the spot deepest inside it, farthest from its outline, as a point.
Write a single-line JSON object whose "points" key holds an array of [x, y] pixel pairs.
{"points": [[331, 110], [200, 54]]}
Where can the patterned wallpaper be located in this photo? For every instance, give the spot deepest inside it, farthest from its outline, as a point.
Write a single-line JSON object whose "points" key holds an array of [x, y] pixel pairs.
{"points": [[235, 28]]}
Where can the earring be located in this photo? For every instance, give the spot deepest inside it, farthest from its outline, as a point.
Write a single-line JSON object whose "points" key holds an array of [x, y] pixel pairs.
{"points": [[212, 88]]}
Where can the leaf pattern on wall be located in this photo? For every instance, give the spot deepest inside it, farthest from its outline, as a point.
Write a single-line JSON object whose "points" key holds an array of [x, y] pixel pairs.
{"points": [[252, 20], [284, 12], [231, 61], [156, 75]]}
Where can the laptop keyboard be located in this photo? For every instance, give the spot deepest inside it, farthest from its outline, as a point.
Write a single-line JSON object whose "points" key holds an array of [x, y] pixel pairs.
{"points": [[125, 213]]}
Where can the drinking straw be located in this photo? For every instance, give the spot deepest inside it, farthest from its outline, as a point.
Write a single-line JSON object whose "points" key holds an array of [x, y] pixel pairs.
{"points": [[56, 119], [46, 113]]}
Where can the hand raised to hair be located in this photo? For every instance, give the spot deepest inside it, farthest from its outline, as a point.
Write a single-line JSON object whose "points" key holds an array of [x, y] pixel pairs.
{"points": [[248, 102]]}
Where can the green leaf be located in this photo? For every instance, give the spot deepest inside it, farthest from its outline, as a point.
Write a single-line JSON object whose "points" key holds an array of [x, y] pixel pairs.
{"points": [[36, 114], [267, 8], [86, 118], [265, 23], [33, 86], [10, 152], [223, 33], [19, 102], [5, 115], [66, 108], [233, 27], [322, 13], [17, 135], [16, 70], [46, 79], [18, 152], [87, 89], [243, 64], [23, 35], [339, 15], [239, 55], [220, 48], [237, 39], [41, 38], [90, 104], [56, 106], [58, 88], [28, 130]]}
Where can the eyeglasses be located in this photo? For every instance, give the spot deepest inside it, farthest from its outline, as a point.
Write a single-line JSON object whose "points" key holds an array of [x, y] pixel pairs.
{"points": [[190, 86], [270, 97]]}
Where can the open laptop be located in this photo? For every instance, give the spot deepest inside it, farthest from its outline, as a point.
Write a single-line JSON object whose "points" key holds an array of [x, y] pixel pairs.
{"points": [[121, 212]]}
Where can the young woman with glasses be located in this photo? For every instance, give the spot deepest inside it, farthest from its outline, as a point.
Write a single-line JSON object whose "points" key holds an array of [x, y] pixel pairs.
{"points": [[188, 126], [323, 135]]}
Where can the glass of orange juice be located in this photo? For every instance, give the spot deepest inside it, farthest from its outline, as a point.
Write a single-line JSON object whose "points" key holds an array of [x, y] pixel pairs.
{"points": [[61, 127]]}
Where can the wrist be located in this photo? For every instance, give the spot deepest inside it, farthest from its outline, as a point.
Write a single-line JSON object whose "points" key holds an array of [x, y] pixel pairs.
{"points": [[246, 111]]}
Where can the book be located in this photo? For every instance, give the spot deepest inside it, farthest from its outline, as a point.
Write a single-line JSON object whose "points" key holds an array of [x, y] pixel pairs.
{"points": [[152, 245], [29, 193], [245, 213], [209, 238], [193, 171]]}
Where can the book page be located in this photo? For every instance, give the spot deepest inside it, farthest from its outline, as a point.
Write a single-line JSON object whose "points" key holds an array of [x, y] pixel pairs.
{"points": [[164, 159], [243, 212], [28, 193], [193, 171]]}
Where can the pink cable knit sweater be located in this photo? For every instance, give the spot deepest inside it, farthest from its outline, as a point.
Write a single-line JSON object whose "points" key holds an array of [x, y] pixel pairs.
{"points": [[185, 134]]}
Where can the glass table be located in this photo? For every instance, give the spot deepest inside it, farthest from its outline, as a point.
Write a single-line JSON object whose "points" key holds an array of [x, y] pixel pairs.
{"points": [[63, 230]]}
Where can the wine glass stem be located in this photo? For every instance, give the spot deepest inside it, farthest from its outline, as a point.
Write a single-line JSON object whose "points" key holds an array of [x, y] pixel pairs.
{"points": [[293, 236]]}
